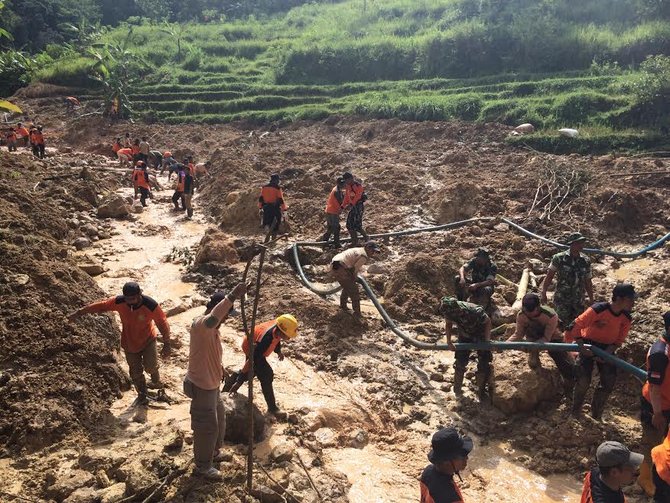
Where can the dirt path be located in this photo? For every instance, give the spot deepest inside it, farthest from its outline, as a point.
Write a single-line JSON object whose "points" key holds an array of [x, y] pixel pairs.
{"points": [[339, 409]]}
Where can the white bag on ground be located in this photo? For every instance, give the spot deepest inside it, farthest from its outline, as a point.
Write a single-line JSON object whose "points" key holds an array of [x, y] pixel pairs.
{"points": [[568, 132]]}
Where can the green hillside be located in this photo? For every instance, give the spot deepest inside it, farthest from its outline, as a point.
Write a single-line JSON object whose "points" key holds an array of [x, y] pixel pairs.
{"points": [[555, 63]]}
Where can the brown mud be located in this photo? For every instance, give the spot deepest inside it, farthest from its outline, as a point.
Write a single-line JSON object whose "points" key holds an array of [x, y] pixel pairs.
{"points": [[362, 405]]}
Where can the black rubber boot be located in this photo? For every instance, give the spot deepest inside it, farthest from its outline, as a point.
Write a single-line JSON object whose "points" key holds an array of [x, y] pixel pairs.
{"points": [[459, 374]]}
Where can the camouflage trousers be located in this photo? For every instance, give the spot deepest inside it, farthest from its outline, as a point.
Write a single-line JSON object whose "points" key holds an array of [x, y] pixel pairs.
{"points": [[567, 308]]}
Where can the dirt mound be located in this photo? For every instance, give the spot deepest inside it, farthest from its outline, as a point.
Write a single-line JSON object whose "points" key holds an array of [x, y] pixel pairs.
{"points": [[57, 377], [414, 288]]}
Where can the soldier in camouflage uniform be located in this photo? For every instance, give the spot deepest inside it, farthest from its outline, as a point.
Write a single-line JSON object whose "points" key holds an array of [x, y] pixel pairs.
{"points": [[474, 325], [573, 271], [479, 288]]}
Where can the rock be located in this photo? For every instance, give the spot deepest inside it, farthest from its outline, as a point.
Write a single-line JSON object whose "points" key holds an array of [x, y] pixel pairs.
{"points": [[326, 437], [137, 207], [69, 483], [81, 243], [102, 479], [462, 201], [436, 376], [92, 267], [282, 452], [266, 495], [520, 389], [81, 495], [358, 439], [537, 266], [113, 206], [112, 494], [89, 230], [136, 476], [237, 418], [216, 246], [182, 307], [73, 223], [87, 193], [568, 132], [501, 227], [524, 128]]}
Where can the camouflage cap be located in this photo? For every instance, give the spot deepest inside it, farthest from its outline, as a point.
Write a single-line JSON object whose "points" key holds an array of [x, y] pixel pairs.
{"points": [[575, 237], [449, 305]]}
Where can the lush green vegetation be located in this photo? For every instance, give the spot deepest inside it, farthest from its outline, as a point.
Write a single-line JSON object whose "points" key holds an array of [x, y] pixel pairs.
{"points": [[554, 63]]}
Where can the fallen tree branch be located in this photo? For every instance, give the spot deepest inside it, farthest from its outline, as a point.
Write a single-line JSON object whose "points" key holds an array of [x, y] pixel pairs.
{"points": [[309, 477]]}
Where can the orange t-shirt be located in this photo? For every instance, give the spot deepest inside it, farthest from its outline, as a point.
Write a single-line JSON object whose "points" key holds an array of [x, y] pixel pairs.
{"points": [[137, 322], [334, 205], [124, 151], [22, 132]]}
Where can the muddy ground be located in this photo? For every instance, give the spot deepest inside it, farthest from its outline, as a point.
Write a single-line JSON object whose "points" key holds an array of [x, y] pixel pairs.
{"points": [[362, 405]]}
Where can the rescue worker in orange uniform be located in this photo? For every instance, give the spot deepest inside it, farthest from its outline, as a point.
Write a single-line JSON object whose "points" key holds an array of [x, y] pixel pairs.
{"points": [[189, 190], [354, 199], [333, 210], [617, 467], [272, 205], [10, 136], [138, 314], [141, 182], [116, 146], [660, 456], [125, 155], [268, 337], [23, 134], [179, 189], [37, 141], [605, 325], [135, 147], [655, 402], [448, 457]]}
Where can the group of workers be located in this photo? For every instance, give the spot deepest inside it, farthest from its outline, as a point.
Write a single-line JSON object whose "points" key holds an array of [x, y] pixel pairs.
{"points": [[138, 153], [140, 315], [31, 137]]}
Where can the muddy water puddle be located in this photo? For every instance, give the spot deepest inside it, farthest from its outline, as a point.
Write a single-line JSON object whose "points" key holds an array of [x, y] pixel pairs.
{"points": [[633, 271], [378, 472]]}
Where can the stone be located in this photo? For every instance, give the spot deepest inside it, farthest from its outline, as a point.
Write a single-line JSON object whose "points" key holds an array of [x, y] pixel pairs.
{"points": [[69, 483], [282, 452], [136, 476], [326, 437], [436, 376], [216, 246], [518, 389], [87, 193], [137, 207], [102, 479], [266, 495], [113, 206], [182, 307], [358, 439], [81, 495], [537, 266], [112, 494], [92, 267], [237, 418], [377, 269], [73, 223], [81, 243]]}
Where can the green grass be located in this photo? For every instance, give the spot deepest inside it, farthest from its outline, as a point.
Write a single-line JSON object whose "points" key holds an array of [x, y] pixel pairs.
{"points": [[510, 62]]}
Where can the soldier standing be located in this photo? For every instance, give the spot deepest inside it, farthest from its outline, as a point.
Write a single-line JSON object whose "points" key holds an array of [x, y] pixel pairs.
{"points": [[474, 326], [573, 271]]}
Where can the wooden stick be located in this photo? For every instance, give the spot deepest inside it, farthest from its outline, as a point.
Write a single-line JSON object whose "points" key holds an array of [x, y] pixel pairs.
{"points": [[278, 484], [309, 476], [523, 288]]}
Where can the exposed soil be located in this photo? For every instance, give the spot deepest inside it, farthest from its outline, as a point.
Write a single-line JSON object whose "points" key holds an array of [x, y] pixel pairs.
{"points": [[362, 405]]}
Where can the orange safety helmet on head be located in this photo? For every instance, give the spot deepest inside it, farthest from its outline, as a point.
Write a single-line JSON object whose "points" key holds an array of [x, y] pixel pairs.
{"points": [[167, 153], [288, 325]]}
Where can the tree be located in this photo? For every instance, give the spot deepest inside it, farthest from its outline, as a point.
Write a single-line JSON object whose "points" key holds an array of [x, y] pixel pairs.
{"points": [[177, 32]]}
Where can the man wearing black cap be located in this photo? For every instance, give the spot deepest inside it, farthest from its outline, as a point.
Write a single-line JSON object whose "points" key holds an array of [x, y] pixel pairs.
{"points": [[617, 467], [605, 325], [344, 268], [573, 272], [655, 402], [272, 205], [448, 457], [138, 315], [479, 287], [201, 384], [539, 323]]}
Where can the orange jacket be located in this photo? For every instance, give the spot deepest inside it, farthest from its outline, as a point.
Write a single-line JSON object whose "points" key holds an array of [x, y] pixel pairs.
{"points": [[259, 333], [599, 324], [116, 147], [124, 151], [141, 179], [11, 136], [354, 194], [657, 376], [137, 323], [271, 194], [181, 178], [334, 203], [660, 456], [22, 132], [37, 138]]}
